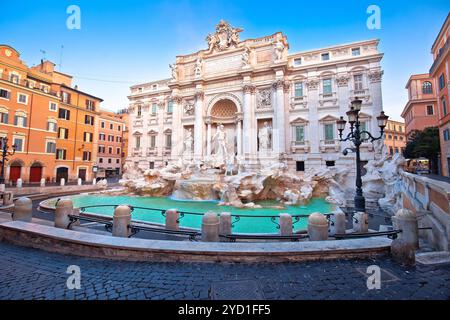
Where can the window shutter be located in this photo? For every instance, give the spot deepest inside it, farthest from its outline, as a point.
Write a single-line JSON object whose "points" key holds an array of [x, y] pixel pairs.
{"points": [[15, 120], [6, 118], [66, 135], [25, 121]]}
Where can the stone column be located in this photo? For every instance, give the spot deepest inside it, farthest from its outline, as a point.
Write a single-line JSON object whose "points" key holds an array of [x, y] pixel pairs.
{"points": [[278, 138], [210, 227], [62, 182], [63, 209], [43, 182], [314, 134], [8, 198], [225, 223], [317, 227], [208, 138], [247, 120], [172, 219], [19, 183], [198, 127], [285, 224], [121, 221], [339, 223], [23, 210], [80, 182], [239, 137], [177, 130], [406, 221]]}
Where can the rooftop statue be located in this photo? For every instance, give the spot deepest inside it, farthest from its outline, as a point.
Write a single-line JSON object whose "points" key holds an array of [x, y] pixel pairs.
{"points": [[225, 37]]}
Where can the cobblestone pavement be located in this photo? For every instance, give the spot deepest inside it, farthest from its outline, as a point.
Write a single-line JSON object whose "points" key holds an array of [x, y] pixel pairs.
{"points": [[33, 274]]}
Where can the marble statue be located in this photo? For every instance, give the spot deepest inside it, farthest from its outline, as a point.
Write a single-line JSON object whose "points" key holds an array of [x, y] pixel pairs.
{"points": [[188, 141], [279, 49], [246, 57], [264, 136], [220, 149], [174, 68], [225, 37], [198, 67]]}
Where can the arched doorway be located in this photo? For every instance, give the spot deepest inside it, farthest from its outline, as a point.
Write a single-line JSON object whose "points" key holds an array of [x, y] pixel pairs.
{"points": [[36, 172], [225, 112], [62, 172], [15, 170]]}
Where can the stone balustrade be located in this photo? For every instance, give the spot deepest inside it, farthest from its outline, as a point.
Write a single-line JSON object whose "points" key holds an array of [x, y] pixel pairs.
{"points": [[429, 200]]}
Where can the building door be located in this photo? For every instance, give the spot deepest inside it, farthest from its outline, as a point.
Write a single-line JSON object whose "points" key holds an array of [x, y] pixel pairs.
{"points": [[82, 174], [14, 173], [35, 173], [62, 172]]}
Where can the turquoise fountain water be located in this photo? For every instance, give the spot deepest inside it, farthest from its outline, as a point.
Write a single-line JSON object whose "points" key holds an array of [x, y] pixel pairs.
{"points": [[244, 225]]}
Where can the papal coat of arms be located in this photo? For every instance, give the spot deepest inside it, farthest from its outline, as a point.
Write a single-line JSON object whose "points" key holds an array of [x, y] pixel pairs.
{"points": [[225, 37]]}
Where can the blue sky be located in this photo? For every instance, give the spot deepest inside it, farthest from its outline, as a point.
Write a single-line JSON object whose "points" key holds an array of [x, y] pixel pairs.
{"points": [[121, 43]]}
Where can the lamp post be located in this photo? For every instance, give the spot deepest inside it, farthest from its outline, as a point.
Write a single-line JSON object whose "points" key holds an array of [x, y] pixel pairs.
{"points": [[358, 136], [4, 157]]}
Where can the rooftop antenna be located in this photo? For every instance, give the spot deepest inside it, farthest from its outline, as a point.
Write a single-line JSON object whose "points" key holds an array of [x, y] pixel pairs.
{"points": [[61, 57]]}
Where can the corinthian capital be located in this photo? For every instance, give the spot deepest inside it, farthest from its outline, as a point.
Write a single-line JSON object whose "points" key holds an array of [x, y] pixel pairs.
{"points": [[177, 99], [375, 75], [199, 95], [279, 84], [249, 88]]}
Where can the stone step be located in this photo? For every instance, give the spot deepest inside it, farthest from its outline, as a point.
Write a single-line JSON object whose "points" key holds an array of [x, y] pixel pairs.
{"points": [[433, 258]]}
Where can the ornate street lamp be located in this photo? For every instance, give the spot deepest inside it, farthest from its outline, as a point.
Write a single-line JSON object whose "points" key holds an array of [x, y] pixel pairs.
{"points": [[4, 157], [358, 137]]}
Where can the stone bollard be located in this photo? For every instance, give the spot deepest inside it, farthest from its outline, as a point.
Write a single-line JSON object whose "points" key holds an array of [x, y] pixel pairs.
{"points": [[285, 224], [225, 223], [8, 198], [23, 210], [43, 182], [62, 182], [172, 219], [361, 222], [121, 221], [19, 183], [63, 209], [2, 187], [339, 223], [210, 227], [406, 221], [94, 182], [80, 182], [403, 252], [317, 227]]}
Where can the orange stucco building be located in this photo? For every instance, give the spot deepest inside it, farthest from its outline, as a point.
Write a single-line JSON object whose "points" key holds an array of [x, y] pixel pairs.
{"points": [[112, 142], [28, 111], [421, 109], [395, 138], [440, 71], [52, 123]]}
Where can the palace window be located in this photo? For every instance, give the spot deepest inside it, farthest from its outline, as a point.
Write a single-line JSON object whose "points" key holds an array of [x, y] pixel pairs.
{"points": [[111, 126], [19, 142], [101, 149], [300, 166], [53, 106], [50, 147], [102, 124], [64, 114], [446, 134], [329, 132], [4, 117], [110, 138], [299, 133], [65, 96], [356, 52], [14, 77], [117, 161], [101, 136], [137, 142], [326, 86], [358, 81], [170, 107], [330, 163], [5, 94], [109, 160], [430, 110], [444, 107], [139, 111], [363, 127], [51, 126], [152, 141], [298, 90], [20, 120], [118, 150], [297, 61], [110, 149], [22, 98], [427, 87], [119, 128], [441, 81], [63, 133], [90, 105], [86, 156], [154, 108], [325, 56], [100, 160], [168, 141], [61, 154], [89, 120], [88, 137]]}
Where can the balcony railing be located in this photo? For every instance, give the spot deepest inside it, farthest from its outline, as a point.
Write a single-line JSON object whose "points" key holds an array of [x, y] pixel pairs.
{"points": [[152, 151], [300, 146], [439, 57]]}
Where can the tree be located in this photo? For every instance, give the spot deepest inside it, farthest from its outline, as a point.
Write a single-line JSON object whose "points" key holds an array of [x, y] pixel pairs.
{"points": [[424, 144]]}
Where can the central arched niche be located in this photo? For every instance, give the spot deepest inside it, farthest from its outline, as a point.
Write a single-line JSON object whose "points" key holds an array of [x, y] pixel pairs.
{"points": [[224, 112]]}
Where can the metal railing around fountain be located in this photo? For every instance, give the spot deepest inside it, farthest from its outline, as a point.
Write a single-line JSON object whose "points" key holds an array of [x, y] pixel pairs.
{"points": [[296, 218]]}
